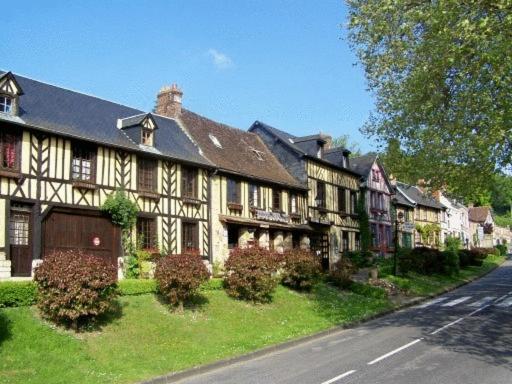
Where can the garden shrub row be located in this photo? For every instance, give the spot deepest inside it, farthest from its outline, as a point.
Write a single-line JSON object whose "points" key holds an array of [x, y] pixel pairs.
{"points": [[428, 261]]}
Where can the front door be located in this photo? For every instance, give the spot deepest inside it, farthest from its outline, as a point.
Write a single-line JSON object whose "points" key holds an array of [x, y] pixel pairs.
{"points": [[20, 236], [320, 245]]}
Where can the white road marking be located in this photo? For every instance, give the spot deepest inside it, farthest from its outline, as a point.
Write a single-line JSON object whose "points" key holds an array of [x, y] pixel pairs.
{"points": [[456, 301], [432, 302], [500, 298], [395, 351], [505, 303], [482, 301], [447, 325], [477, 310], [339, 377]]}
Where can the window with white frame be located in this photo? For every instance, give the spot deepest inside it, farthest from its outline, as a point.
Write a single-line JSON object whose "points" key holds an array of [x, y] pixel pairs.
{"points": [[6, 104]]}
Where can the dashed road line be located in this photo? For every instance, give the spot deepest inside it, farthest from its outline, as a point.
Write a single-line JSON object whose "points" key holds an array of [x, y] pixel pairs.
{"points": [[395, 351], [505, 303], [432, 302], [481, 302], [456, 301], [334, 379]]}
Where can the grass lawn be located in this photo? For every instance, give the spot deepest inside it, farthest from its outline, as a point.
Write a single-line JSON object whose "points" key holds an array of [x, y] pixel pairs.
{"points": [[421, 285], [144, 339]]}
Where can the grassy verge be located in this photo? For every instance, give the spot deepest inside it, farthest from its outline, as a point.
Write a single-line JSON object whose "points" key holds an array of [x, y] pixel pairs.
{"points": [[421, 285], [143, 339]]}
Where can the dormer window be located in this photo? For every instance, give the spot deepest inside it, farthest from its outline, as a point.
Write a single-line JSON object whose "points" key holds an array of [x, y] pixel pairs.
{"points": [[10, 91], [6, 103], [147, 137]]}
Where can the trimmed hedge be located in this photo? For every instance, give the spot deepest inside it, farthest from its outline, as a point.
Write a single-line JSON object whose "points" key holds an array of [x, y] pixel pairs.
{"points": [[179, 276], [129, 287], [75, 287], [301, 268], [17, 293], [250, 274]]}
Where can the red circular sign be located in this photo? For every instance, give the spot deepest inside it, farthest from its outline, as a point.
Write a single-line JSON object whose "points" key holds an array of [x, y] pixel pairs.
{"points": [[96, 241]]}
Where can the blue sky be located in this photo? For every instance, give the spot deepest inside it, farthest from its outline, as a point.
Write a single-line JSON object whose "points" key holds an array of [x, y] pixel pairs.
{"points": [[282, 62]]}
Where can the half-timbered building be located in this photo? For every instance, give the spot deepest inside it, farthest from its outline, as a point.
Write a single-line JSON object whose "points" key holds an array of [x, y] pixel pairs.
{"points": [[63, 152], [377, 191], [333, 187], [255, 200], [427, 214]]}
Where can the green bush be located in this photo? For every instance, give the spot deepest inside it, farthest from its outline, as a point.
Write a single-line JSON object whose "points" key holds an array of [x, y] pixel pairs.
{"points": [[128, 287], [367, 290], [17, 293], [300, 269], [502, 248], [179, 276], [361, 259], [451, 262], [341, 272], [423, 260], [74, 287], [403, 283], [452, 243], [473, 257], [250, 274]]}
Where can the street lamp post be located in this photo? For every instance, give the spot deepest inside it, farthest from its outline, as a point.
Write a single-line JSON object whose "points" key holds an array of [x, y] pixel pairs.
{"points": [[398, 218]]}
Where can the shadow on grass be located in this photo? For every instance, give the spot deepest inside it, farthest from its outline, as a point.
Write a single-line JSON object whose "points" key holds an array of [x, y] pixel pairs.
{"points": [[196, 303], [5, 328]]}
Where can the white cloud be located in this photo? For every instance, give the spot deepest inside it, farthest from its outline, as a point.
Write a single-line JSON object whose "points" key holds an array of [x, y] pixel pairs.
{"points": [[220, 60]]}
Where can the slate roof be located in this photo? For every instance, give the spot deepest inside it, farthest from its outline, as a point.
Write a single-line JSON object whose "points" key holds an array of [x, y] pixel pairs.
{"points": [[479, 214], [363, 164], [420, 198], [53, 109], [402, 198], [306, 146], [241, 152]]}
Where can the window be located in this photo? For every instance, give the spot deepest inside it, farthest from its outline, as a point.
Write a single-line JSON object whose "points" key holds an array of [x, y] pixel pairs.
{"points": [[406, 240], [293, 203], [353, 201], [345, 241], [374, 235], [146, 171], [188, 182], [357, 241], [389, 236], [189, 237], [254, 196], [146, 232], [19, 226], [233, 191], [83, 166], [375, 175], [276, 200], [147, 137], [5, 104], [9, 156], [342, 199], [320, 194]]}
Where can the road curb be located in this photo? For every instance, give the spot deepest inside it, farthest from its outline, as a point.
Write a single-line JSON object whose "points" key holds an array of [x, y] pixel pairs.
{"points": [[180, 375]]}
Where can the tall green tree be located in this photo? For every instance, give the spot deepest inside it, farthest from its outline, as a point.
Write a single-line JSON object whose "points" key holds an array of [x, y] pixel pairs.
{"points": [[442, 78], [345, 142]]}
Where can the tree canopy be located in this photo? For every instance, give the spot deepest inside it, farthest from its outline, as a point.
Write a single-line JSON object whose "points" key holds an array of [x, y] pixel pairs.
{"points": [[442, 78]]}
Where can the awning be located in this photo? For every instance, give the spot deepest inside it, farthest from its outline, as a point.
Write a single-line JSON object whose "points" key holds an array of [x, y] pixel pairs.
{"points": [[265, 224]]}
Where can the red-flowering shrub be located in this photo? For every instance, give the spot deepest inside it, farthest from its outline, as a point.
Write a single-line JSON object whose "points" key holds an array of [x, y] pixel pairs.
{"points": [[300, 268], [473, 257], [251, 274], [342, 271], [75, 287], [179, 276]]}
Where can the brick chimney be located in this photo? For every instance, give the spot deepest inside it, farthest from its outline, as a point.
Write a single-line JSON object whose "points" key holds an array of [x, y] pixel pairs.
{"points": [[169, 101]]}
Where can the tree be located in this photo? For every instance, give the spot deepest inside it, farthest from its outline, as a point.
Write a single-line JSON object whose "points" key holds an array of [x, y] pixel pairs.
{"points": [[345, 142], [441, 75]]}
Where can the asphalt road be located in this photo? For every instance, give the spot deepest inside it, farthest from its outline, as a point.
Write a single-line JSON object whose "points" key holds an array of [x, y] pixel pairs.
{"points": [[463, 337]]}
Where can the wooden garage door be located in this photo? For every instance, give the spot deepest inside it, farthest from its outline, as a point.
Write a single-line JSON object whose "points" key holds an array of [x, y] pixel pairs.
{"points": [[88, 231]]}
